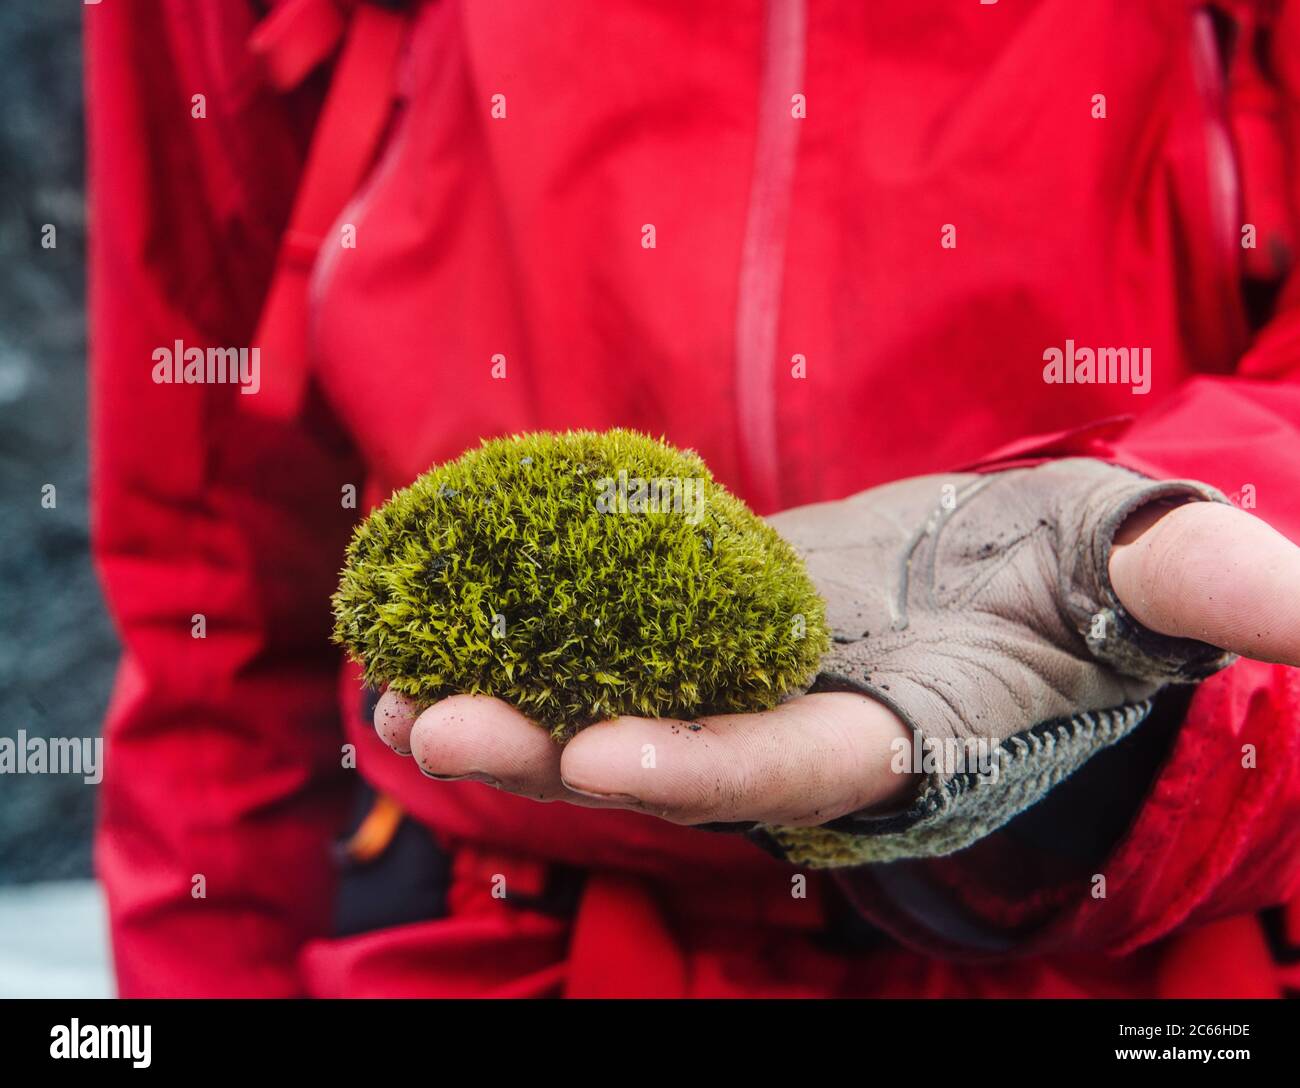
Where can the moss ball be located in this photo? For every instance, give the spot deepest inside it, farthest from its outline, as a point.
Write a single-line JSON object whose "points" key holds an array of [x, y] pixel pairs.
{"points": [[579, 576]]}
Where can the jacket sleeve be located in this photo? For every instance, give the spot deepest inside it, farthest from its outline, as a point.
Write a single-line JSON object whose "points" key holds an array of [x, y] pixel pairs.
{"points": [[1219, 830], [1195, 816], [1198, 818], [216, 534]]}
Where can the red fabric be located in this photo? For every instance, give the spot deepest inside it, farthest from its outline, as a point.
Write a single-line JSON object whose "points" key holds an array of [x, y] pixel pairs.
{"points": [[521, 237], [295, 38], [351, 123]]}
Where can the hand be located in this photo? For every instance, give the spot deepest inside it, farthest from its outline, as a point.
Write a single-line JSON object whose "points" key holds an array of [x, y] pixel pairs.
{"points": [[1201, 570]]}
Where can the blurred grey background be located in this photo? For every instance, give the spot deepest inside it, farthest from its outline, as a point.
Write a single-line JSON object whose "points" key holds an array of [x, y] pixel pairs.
{"points": [[57, 649]]}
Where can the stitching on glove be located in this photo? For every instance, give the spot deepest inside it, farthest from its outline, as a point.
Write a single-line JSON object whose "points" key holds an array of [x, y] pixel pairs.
{"points": [[950, 815]]}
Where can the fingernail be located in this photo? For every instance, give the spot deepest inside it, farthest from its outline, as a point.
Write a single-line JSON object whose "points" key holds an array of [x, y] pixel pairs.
{"points": [[470, 776], [616, 798]]}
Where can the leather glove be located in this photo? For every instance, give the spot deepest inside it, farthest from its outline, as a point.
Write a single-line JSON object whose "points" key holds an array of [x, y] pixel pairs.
{"points": [[979, 608]]}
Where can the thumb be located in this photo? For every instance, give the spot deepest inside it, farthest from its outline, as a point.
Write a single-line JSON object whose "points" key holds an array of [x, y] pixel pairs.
{"points": [[1214, 573]]}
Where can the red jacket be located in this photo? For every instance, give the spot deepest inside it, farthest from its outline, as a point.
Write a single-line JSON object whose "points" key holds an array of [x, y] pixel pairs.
{"points": [[802, 319]]}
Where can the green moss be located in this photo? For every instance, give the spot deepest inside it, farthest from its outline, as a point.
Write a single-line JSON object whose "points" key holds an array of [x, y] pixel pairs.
{"points": [[498, 573]]}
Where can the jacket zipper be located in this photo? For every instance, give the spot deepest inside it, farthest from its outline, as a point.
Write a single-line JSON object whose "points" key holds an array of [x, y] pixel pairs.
{"points": [[762, 258], [1221, 166]]}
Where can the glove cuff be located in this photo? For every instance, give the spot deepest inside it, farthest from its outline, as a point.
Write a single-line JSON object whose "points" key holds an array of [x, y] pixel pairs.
{"points": [[954, 811], [1112, 634]]}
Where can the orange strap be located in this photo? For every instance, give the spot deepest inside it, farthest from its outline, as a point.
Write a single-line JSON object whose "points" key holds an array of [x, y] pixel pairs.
{"points": [[376, 831], [291, 41]]}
